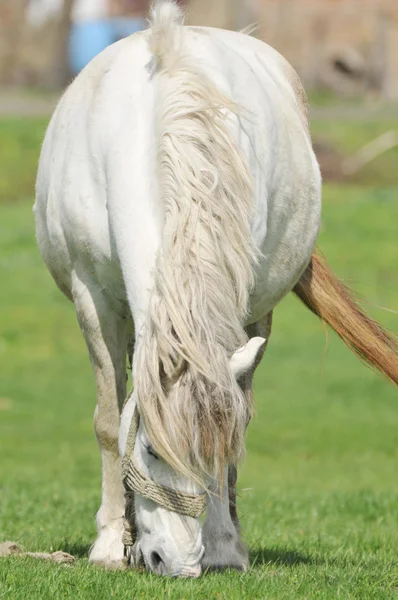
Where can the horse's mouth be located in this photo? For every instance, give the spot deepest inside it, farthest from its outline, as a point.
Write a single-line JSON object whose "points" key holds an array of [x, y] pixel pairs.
{"points": [[187, 571]]}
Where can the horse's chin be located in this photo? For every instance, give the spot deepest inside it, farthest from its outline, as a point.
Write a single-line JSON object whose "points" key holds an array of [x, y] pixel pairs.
{"points": [[187, 572], [194, 569]]}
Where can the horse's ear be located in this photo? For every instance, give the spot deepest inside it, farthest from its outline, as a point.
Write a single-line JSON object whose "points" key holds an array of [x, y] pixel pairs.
{"points": [[246, 357]]}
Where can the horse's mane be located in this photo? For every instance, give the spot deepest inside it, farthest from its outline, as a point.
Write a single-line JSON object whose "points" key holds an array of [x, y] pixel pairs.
{"points": [[194, 411]]}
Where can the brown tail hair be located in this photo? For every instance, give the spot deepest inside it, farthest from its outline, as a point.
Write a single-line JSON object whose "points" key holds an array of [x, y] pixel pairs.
{"points": [[328, 298]]}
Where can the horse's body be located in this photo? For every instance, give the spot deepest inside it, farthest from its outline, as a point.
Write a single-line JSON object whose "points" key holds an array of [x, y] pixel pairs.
{"points": [[102, 183], [100, 214]]}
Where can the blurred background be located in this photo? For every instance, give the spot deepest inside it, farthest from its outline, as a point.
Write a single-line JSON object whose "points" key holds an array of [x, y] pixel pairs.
{"points": [[348, 46], [325, 435], [345, 51]]}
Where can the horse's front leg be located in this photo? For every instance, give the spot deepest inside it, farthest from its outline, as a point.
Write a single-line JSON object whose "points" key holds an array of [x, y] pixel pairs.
{"points": [[221, 533], [105, 332], [224, 548]]}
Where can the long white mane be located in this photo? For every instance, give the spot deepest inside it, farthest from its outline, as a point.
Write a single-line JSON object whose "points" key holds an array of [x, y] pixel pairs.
{"points": [[194, 411]]}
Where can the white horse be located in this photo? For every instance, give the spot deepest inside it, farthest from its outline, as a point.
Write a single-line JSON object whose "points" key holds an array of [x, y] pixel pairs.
{"points": [[178, 201]]}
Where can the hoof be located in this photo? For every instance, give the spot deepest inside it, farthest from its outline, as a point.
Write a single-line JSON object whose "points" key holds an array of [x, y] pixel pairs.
{"points": [[108, 550], [110, 565], [225, 554]]}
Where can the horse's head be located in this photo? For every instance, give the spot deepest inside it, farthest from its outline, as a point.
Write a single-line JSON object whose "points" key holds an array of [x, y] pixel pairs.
{"points": [[167, 504]]}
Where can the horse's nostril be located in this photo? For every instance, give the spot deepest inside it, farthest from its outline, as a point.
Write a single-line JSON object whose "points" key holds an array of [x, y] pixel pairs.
{"points": [[156, 560]]}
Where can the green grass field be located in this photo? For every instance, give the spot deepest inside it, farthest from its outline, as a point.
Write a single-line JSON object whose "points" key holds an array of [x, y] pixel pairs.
{"points": [[319, 488]]}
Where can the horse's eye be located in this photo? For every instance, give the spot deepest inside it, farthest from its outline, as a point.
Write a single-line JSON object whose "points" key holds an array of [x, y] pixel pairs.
{"points": [[151, 451]]}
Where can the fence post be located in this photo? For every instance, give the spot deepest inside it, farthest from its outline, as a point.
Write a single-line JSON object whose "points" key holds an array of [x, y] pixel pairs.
{"points": [[61, 71]]}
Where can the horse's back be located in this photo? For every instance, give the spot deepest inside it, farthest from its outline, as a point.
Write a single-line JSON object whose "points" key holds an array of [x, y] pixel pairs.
{"points": [[97, 179]]}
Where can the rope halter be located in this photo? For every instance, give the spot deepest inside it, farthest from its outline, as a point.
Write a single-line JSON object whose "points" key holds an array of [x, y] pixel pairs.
{"points": [[136, 481]]}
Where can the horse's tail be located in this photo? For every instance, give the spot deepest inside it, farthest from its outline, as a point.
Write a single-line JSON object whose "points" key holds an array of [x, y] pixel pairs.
{"points": [[193, 410], [321, 291]]}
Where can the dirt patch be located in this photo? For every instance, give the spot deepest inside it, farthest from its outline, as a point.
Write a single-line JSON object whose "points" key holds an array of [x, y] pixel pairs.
{"points": [[13, 549], [5, 404], [17, 103]]}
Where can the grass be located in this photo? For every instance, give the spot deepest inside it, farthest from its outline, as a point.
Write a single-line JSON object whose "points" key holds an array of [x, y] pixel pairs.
{"points": [[346, 138], [318, 492], [20, 141]]}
